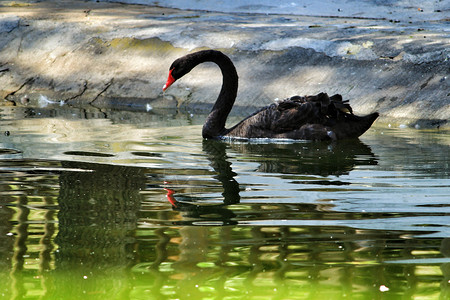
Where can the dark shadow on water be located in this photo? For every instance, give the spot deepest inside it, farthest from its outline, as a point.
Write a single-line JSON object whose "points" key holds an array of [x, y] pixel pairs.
{"points": [[86, 153], [98, 213]]}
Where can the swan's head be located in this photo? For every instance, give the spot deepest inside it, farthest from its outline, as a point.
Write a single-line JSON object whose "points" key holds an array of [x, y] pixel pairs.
{"points": [[182, 66], [178, 69]]}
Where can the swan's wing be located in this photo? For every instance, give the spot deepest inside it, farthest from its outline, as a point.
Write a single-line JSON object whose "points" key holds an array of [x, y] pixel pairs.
{"points": [[277, 118], [291, 115]]}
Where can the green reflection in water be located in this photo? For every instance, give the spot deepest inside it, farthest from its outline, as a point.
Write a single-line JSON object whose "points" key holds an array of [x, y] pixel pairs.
{"points": [[183, 219]]}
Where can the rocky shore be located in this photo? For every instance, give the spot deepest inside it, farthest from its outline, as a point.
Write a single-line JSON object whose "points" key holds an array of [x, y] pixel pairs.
{"points": [[117, 55]]}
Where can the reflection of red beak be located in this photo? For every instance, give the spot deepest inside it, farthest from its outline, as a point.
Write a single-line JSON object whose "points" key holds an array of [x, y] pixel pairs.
{"points": [[170, 197], [169, 82]]}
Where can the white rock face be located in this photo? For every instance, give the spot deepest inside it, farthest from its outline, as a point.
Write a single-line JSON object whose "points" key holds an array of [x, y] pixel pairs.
{"points": [[111, 54]]}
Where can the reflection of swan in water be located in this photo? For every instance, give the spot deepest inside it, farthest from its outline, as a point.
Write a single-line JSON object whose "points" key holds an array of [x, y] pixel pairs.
{"points": [[314, 158], [216, 154], [336, 159]]}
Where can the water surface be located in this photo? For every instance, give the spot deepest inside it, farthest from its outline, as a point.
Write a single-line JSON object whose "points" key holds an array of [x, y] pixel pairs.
{"points": [[129, 205]]}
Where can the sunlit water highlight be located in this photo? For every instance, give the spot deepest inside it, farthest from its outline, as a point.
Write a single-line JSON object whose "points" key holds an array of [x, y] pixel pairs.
{"points": [[128, 205]]}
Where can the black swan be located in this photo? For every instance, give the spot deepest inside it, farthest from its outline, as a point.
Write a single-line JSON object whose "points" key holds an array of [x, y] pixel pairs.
{"points": [[316, 117]]}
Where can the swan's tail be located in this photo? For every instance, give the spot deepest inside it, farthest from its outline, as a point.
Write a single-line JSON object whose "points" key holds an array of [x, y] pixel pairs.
{"points": [[340, 118], [352, 126], [337, 115]]}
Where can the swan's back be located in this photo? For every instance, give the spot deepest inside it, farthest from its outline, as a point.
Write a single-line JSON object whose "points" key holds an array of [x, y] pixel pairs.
{"points": [[316, 117]]}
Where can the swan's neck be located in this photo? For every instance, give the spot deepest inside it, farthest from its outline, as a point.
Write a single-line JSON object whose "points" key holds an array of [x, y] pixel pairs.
{"points": [[215, 122]]}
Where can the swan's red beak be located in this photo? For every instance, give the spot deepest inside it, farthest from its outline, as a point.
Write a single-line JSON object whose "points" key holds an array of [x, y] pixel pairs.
{"points": [[169, 82], [170, 197]]}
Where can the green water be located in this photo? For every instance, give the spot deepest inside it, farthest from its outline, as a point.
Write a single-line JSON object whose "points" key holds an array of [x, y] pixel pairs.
{"points": [[128, 205]]}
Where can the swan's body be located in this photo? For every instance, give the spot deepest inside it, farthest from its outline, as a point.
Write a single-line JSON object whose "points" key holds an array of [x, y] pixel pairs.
{"points": [[304, 118]]}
